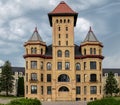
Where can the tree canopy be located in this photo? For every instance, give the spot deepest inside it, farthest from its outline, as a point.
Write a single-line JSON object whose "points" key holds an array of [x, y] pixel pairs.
{"points": [[6, 78], [111, 85]]}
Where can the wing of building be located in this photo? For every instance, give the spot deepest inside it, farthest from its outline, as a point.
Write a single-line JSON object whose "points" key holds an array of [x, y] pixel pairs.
{"points": [[63, 70]]}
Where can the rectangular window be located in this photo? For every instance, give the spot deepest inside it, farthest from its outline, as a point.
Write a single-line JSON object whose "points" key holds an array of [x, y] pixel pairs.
{"points": [[26, 77], [78, 90], [66, 43], [100, 90], [92, 65], [33, 76], [100, 65], [34, 89], [85, 90], [33, 64], [59, 36], [93, 89], [49, 90], [84, 65], [26, 64], [48, 77], [67, 65], [26, 89], [66, 35], [42, 91], [59, 66], [77, 77], [41, 77], [41, 65]]}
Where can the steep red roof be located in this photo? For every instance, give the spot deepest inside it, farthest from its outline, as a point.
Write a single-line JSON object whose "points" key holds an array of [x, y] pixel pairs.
{"points": [[62, 8]]}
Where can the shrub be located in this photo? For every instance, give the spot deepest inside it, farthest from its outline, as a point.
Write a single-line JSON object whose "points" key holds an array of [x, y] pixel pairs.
{"points": [[105, 101], [25, 102]]}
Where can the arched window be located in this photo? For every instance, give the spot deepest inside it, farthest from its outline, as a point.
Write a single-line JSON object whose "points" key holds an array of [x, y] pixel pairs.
{"points": [[63, 89], [33, 50], [60, 20], [26, 51], [90, 50], [59, 53], [78, 66], [68, 21], [59, 43], [57, 21], [94, 50], [66, 43], [84, 51], [49, 66], [66, 28], [63, 78], [93, 78], [41, 51], [64, 20], [67, 54], [58, 28]]}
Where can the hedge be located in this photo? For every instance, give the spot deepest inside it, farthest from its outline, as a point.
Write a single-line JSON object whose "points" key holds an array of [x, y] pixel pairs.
{"points": [[24, 102], [105, 101]]}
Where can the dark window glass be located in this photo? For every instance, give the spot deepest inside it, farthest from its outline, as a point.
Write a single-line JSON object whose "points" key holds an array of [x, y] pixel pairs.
{"points": [[93, 89], [67, 65], [60, 20], [33, 64], [84, 65], [66, 43], [84, 51], [94, 50], [58, 28], [41, 77], [49, 90], [34, 77], [93, 78], [57, 21], [49, 66], [41, 51], [66, 28], [92, 65], [59, 53], [77, 77], [26, 64], [67, 54], [90, 50], [26, 89], [48, 77], [68, 21], [33, 50], [85, 90], [63, 89], [41, 65], [66, 35], [77, 89], [34, 89], [64, 20], [63, 78], [77, 66], [59, 43], [42, 90], [59, 65], [59, 36]]}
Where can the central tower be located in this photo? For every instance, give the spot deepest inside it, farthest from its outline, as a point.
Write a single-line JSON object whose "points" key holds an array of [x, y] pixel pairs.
{"points": [[62, 20]]}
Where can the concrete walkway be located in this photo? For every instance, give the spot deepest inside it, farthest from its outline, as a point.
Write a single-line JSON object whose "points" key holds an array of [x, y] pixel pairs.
{"points": [[65, 103]]}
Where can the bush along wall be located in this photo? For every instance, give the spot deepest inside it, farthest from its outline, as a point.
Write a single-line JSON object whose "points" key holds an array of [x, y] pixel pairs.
{"points": [[24, 102], [105, 101]]}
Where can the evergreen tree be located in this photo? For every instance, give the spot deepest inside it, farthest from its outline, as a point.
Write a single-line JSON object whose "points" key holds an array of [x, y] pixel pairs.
{"points": [[20, 89], [111, 85], [6, 79]]}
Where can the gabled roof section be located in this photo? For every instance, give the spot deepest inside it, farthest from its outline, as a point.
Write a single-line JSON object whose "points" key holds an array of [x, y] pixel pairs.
{"points": [[35, 36], [62, 9], [91, 37]]}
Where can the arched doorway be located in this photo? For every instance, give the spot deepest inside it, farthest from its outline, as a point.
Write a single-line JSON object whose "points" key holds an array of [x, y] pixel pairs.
{"points": [[64, 93]]}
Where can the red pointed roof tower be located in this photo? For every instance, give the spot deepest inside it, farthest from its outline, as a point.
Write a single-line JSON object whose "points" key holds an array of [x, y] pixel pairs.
{"points": [[62, 10]]}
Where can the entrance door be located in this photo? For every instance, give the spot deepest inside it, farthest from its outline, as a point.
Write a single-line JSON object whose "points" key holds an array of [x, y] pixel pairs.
{"points": [[63, 94]]}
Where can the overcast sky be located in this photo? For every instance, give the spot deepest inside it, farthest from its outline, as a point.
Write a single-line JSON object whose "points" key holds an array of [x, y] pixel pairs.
{"points": [[18, 18]]}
